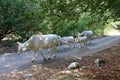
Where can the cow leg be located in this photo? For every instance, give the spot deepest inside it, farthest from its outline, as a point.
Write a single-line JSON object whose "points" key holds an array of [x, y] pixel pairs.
{"points": [[85, 44], [34, 54], [50, 54], [80, 45], [41, 52], [73, 45], [55, 52], [52, 51], [90, 40]]}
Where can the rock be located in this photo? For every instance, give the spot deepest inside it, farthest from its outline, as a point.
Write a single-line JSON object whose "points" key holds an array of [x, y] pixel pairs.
{"points": [[27, 75], [78, 57], [76, 74], [66, 72], [34, 66], [98, 62], [74, 65], [94, 76], [77, 70]]}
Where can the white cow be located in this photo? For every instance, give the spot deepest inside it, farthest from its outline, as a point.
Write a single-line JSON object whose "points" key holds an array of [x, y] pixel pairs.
{"points": [[69, 40], [82, 41], [87, 33], [40, 42]]}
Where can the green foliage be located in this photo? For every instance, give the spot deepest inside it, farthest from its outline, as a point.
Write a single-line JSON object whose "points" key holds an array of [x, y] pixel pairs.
{"points": [[25, 18], [17, 17], [8, 43], [9, 16], [89, 22]]}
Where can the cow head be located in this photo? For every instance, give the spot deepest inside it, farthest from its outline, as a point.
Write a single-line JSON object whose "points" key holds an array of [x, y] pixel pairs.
{"points": [[21, 48], [76, 39], [80, 35]]}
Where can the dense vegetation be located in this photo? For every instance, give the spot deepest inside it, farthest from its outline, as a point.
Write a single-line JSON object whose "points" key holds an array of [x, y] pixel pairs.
{"points": [[24, 18]]}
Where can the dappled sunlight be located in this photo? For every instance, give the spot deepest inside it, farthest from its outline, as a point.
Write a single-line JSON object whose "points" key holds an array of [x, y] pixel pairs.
{"points": [[11, 62], [113, 32], [5, 54], [8, 57], [7, 65], [2, 59], [57, 33]]}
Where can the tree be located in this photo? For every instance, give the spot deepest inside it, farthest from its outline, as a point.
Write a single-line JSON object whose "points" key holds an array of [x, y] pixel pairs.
{"points": [[64, 17]]}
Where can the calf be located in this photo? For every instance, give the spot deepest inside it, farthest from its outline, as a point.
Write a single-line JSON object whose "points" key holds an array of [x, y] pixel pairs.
{"points": [[67, 41], [82, 41], [87, 33]]}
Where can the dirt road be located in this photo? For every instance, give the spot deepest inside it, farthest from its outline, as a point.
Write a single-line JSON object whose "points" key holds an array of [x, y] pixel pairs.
{"points": [[12, 62]]}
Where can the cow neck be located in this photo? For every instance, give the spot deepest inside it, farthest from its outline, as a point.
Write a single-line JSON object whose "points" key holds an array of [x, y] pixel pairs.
{"points": [[26, 43]]}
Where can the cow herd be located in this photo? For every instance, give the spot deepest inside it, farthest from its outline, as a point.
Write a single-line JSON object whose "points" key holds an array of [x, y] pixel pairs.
{"points": [[52, 41]]}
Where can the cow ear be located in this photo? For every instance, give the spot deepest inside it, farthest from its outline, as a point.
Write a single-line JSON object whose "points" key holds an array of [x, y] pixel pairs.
{"points": [[19, 43]]}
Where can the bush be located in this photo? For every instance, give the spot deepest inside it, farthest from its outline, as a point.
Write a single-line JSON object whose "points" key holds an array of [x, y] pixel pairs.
{"points": [[8, 43]]}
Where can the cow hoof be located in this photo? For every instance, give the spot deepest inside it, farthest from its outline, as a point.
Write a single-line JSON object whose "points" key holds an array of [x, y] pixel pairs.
{"points": [[48, 58], [54, 56], [32, 61], [44, 59]]}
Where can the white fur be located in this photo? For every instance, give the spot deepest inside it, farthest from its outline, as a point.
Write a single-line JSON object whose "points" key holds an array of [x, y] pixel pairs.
{"points": [[67, 40], [40, 42], [82, 40], [87, 33]]}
